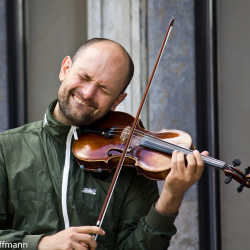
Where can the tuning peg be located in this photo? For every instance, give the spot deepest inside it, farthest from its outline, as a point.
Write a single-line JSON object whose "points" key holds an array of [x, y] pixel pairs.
{"points": [[240, 187], [228, 179], [247, 170], [236, 162]]}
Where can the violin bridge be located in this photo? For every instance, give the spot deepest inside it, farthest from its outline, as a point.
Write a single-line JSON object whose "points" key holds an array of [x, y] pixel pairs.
{"points": [[124, 134]]}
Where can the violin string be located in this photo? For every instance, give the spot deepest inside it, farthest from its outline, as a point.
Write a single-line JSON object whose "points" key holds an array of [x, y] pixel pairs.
{"points": [[185, 151], [138, 135], [171, 146], [176, 147], [160, 142]]}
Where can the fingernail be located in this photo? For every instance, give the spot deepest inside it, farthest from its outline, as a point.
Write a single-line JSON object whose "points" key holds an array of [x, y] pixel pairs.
{"points": [[196, 151]]}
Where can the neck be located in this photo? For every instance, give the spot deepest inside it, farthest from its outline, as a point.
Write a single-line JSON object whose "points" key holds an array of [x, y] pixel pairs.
{"points": [[59, 116]]}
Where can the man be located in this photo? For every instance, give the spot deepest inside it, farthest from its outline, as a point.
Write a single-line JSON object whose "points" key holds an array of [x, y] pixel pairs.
{"points": [[48, 202]]}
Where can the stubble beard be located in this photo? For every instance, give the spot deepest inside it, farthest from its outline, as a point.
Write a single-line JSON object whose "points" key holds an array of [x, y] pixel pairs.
{"points": [[70, 114]]}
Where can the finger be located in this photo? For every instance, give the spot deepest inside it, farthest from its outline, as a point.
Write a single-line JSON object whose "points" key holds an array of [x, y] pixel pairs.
{"points": [[86, 246], [191, 164], [86, 241], [181, 165], [78, 246], [205, 153], [199, 162], [174, 162], [92, 244], [90, 230]]}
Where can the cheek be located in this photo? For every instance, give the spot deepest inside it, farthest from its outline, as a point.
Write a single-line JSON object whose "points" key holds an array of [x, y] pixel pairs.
{"points": [[104, 102], [66, 86], [62, 90], [70, 82]]}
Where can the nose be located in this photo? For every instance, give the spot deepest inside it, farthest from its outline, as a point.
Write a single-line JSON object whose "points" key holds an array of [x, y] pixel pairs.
{"points": [[89, 90]]}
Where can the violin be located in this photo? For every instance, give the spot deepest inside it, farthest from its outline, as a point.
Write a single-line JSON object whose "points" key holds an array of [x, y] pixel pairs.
{"points": [[99, 149]]}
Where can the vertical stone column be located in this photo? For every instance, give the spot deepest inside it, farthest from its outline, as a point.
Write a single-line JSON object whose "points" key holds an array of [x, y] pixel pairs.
{"points": [[3, 69], [172, 96], [124, 22]]}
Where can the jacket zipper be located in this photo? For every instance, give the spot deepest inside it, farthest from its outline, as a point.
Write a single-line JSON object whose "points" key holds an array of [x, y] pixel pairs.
{"points": [[66, 175]]}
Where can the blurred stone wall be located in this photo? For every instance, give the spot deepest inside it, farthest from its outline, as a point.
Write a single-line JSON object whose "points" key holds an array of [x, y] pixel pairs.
{"points": [[172, 96]]}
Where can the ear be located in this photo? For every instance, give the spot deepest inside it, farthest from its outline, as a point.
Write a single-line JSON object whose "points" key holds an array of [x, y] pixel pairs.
{"points": [[118, 100], [66, 64]]}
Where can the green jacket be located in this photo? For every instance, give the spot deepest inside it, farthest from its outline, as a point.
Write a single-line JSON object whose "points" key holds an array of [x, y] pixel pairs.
{"points": [[43, 190]]}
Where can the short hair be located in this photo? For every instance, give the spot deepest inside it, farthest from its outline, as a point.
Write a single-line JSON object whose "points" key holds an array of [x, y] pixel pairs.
{"points": [[98, 40]]}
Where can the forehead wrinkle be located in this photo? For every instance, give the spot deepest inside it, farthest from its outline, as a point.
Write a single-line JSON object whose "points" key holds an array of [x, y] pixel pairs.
{"points": [[90, 79], [109, 52]]}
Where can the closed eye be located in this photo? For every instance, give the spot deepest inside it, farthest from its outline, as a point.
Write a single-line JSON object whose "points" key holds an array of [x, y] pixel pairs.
{"points": [[87, 78], [84, 78], [103, 90]]}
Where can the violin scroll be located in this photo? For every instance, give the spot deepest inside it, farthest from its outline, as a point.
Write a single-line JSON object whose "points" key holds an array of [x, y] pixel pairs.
{"points": [[234, 173]]}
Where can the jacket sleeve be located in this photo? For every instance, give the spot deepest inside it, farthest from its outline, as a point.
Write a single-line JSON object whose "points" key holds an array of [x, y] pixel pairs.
{"points": [[10, 235], [141, 225]]}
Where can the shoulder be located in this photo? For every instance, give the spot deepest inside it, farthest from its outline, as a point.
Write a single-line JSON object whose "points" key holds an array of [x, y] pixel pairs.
{"points": [[27, 128], [9, 138]]}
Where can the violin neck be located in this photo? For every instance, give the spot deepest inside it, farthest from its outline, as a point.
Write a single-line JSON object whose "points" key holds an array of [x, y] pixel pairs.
{"points": [[168, 148]]}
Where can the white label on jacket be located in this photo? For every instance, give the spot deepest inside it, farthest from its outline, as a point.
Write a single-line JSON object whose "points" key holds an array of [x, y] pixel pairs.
{"points": [[89, 191]]}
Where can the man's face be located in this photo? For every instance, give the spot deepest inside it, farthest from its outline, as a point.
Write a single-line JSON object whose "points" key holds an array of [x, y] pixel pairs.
{"points": [[91, 86]]}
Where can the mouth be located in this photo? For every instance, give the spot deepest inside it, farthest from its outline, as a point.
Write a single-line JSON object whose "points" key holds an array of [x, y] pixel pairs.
{"points": [[78, 100]]}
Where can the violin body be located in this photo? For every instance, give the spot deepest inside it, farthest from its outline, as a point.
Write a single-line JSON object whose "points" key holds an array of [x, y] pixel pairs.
{"points": [[100, 148]]}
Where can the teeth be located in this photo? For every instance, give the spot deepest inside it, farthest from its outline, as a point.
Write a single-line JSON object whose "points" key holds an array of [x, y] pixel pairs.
{"points": [[78, 100]]}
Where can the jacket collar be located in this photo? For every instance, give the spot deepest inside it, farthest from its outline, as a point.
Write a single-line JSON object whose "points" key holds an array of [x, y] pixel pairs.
{"points": [[55, 129]]}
